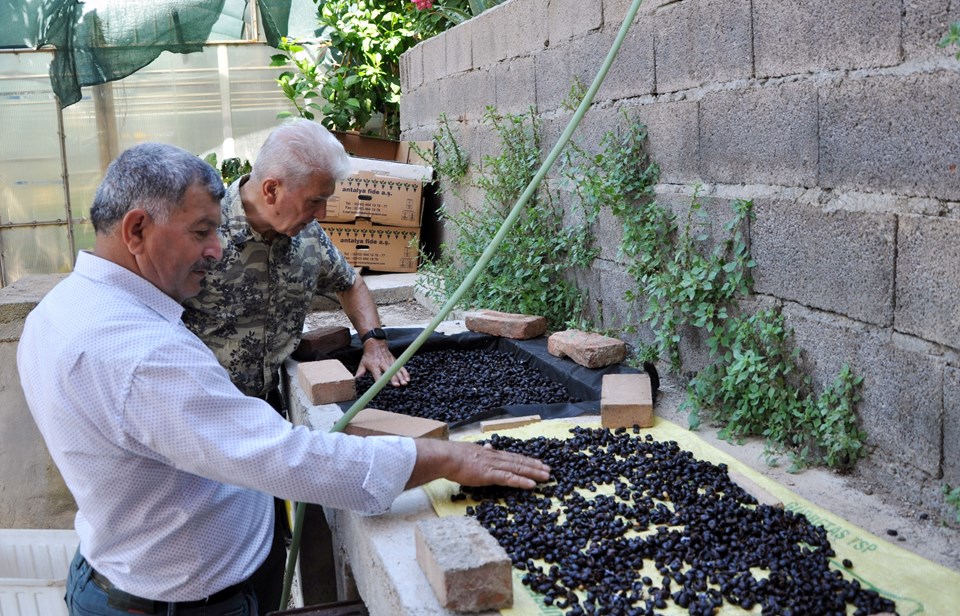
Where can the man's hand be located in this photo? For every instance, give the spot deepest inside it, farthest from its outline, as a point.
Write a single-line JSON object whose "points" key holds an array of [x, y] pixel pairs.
{"points": [[470, 464], [376, 359]]}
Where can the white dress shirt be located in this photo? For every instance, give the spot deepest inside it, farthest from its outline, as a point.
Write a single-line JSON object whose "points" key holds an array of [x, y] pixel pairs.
{"points": [[171, 466]]}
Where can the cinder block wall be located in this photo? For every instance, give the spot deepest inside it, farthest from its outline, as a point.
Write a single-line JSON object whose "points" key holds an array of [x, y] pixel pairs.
{"points": [[840, 120]]}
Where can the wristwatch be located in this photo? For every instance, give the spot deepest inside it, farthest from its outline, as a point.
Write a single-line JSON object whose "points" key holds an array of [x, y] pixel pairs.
{"points": [[376, 333]]}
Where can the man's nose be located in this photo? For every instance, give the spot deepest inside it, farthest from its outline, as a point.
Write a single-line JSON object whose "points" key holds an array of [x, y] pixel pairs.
{"points": [[214, 248]]}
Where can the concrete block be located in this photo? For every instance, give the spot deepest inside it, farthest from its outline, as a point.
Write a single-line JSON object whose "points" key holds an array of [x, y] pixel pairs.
{"points": [[508, 30], [459, 49], [435, 57], [923, 24], [567, 19], [525, 27], [411, 69], [818, 35], [553, 71], [673, 138], [902, 386], [326, 381], [724, 41], [702, 41], [505, 324], [586, 348], [477, 90], [888, 134], [633, 72], [322, 340], [515, 86], [419, 108], [760, 135], [902, 403], [674, 32], [626, 400], [834, 260], [928, 259], [616, 311], [466, 567], [374, 422], [495, 425], [951, 427]]}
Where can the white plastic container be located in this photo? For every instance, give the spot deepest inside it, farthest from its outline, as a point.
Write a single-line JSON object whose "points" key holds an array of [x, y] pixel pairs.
{"points": [[33, 571]]}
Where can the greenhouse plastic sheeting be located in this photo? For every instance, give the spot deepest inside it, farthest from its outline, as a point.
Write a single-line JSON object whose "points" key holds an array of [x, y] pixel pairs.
{"points": [[581, 383], [98, 41]]}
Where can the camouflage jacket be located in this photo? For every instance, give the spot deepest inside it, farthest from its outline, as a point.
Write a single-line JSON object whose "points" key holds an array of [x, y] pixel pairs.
{"points": [[251, 307]]}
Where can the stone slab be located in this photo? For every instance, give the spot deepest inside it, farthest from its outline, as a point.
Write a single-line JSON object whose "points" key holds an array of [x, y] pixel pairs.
{"points": [[322, 340], [588, 349], [494, 425], [326, 381], [466, 567], [375, 422], [626, 400], [505, 324]]}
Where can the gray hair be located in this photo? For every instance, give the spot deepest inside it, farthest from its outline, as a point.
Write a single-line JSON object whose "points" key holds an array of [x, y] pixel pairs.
{"points": [[298, 149], [152, 176]]}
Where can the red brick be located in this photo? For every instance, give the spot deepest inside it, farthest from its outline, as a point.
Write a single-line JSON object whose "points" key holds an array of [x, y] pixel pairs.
{"points": [[505, 324], [326, 381], [626, 400], [510, 422], [322, 340], [374, 422], [586, 348], [468, 570]]}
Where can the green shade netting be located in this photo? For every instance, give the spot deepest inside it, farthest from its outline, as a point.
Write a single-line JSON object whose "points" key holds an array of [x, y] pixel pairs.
{"points": [[98, 41]]}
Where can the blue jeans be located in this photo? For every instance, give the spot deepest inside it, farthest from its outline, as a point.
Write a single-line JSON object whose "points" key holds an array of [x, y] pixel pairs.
{"points": [[85, 598]]}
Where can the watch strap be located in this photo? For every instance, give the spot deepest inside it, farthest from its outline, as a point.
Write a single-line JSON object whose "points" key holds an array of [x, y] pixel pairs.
{"points": [[376, 333]]}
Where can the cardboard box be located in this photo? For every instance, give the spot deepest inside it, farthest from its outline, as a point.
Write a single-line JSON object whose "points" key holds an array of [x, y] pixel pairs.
{"points": [[381, 191], [367, 146], [386, 182], [378, 248]]}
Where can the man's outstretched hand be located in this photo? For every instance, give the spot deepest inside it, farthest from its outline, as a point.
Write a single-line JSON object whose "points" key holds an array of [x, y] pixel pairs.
{"points": [[470, 464]]}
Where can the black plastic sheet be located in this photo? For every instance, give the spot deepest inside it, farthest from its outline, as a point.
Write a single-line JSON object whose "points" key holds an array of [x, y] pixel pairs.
{"points": [[581, 383]]}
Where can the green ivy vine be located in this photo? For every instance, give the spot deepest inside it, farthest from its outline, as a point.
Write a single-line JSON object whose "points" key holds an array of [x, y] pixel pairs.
{"points": [[752, 386]]}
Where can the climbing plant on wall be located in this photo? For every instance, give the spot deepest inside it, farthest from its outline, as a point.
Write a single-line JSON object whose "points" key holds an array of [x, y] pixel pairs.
{"points": [[529, 274], [752, 385]]}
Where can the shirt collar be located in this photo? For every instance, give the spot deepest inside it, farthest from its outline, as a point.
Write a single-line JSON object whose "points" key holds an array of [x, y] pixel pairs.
{"points": [[106, 272], [235, 217]]}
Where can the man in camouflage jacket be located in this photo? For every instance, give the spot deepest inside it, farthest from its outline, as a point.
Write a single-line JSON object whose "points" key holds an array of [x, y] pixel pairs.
{"points": [[276, 257]]}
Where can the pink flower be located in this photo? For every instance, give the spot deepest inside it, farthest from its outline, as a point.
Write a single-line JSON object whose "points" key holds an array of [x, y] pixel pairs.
{"points": [[423, 5]]}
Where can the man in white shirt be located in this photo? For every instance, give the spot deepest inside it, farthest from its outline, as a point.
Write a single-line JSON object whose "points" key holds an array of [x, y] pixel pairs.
{"points": [[173, 469]]}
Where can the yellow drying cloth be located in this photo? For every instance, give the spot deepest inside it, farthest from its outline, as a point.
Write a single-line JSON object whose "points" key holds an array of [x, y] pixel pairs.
{"points": [[918, 585]]}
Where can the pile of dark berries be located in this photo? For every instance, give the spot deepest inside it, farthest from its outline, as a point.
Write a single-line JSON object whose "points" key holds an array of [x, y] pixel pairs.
{"points": [[453, 385], [629, 525]]}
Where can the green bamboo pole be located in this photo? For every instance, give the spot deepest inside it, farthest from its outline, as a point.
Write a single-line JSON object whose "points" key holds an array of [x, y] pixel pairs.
{"points": [[472, 276]]}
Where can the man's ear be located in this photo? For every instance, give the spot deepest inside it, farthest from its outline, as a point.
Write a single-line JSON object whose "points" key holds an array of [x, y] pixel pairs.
{"points": [[132, 228], [269, 189]]}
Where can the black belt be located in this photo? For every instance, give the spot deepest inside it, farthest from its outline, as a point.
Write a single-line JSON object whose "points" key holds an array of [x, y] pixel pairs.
{"points": [[121, 600]]}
